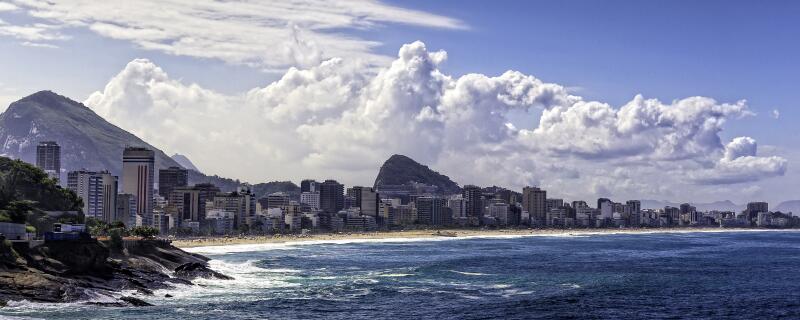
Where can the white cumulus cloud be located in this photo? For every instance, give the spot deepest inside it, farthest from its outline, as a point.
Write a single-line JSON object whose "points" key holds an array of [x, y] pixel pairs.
{"points": [[5, 6], [334, 119], [741, 164]]}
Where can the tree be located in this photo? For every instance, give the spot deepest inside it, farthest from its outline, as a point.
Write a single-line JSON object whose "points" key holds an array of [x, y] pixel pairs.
{"points": [[145, 232], [117, 224], [18, 210], [96, 227], [116, 238]]}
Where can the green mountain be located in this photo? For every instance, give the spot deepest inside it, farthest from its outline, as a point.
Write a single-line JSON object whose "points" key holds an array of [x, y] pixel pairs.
{"points": [[401, 170], [86, 139], [264, 189], [89, 141]]}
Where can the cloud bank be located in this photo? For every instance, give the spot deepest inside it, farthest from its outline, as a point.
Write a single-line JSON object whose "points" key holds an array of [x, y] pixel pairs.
{"points": [[333, 119]]}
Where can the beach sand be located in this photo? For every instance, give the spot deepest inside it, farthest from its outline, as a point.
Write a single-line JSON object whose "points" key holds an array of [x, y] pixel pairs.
{"points": [[423, 234]]}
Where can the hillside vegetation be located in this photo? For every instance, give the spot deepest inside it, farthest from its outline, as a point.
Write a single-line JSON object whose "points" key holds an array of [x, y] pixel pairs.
{"points": [[26, 191]]}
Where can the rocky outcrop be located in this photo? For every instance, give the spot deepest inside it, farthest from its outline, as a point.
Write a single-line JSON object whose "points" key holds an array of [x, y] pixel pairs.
{"points": [[402, 170], [85, 270], [198, 270]]}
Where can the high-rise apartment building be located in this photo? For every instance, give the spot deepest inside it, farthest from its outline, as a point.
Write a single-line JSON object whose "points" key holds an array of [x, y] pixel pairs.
{"points": [[311, 199], [601, 200], [433, 211], [369, 202], [534, 200], [138, 171], [98, 190], [171, 178], [753, 208], [633, 211], [184, 203], [553, 204], [48, 158], [473, 203], [242, 203], [331, 196], [458, 206], [309, 185], [354, 193], [277, 200], [206, 193]]}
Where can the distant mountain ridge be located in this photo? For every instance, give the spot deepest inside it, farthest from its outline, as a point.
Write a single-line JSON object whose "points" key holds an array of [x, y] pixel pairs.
{"points": [[399, 170], [792, 206], [184, 162]]}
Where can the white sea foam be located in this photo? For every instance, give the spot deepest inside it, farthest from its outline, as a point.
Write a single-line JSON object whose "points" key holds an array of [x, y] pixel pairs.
{"points": [[395, 275], [515, 292], [26, 306], [19, 318], [470, 273], [294, 245], [247, 279]]}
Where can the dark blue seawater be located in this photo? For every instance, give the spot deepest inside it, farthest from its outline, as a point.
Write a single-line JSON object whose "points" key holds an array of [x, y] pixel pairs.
{"points": [[742, 275]]}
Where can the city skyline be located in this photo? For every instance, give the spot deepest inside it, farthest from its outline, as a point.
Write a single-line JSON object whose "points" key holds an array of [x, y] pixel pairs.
{"points": [[332, 118], [203, 209]]}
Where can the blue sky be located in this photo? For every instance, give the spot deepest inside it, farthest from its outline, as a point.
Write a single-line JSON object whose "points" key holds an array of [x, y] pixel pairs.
{"points": [[607, 51]]}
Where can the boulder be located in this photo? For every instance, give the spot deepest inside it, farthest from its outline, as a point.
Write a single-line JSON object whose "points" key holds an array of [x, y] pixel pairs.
{"points": [[193, 270]]}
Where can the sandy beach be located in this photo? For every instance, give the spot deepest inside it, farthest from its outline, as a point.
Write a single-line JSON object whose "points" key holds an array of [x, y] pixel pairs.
{"points": [[423, 234]]}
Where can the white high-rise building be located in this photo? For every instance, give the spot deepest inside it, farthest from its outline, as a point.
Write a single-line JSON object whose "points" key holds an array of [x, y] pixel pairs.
{"points": [[98, 190], [500, 212], [138, 171], [458, 206], [311, 199], [606, 210]]}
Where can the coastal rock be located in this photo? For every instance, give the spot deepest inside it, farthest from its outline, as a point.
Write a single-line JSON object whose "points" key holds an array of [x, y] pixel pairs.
{"points": [[198, 270], [136, 302], [78, 257], [87, 270]]}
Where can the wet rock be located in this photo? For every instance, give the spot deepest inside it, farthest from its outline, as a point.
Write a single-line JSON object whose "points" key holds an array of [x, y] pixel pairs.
{"points": [[145, 291], [136, 302], [80, 271], [167, 295], [108, 304], [193, 270]]}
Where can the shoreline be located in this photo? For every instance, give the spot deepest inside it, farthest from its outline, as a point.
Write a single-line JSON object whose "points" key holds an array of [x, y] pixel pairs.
{"points": [[421, 235]]}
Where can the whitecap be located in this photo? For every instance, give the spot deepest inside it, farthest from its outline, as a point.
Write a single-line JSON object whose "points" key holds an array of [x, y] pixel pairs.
{"points": [[395, 275], [470, 273]]}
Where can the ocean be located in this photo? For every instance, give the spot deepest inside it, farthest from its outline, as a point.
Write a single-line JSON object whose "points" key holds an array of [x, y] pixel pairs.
{"points": [[702, 275]]}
